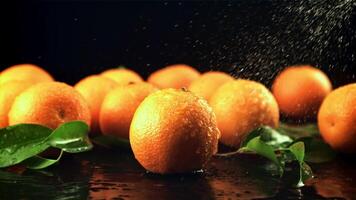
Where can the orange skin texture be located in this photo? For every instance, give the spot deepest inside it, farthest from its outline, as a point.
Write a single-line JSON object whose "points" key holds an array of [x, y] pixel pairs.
{"points": [[208, 83], [49, 104], [337, 119], [242, 106], [8, 92], [25, 72], [174, 131], [119, 106], [122, 76], [174, 76], [300, 90], [94, 88]]}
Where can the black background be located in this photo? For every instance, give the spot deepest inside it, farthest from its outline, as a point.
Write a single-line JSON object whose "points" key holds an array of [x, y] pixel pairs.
{"points": [[72, 39]]}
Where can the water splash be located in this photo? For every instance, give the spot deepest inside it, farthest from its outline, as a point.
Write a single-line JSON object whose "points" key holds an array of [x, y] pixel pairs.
{"points": [[263, 38]]}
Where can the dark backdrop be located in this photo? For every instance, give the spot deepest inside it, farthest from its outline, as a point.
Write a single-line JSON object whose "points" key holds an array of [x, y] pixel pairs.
{"points": [[249, 38]]}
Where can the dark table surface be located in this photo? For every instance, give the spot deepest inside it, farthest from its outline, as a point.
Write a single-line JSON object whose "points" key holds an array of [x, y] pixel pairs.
{"points": [[115, 174]]}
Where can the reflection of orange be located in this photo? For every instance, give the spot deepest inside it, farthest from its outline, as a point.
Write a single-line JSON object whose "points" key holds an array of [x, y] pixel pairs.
{"points": [[174, 76], [337, 118], [8, 92], [99, 189], [26, 72], [173, 131], [94, 89], [49, 104], [119, 107], [122, 76], [241, 106], [299, 90], [208, 82]]}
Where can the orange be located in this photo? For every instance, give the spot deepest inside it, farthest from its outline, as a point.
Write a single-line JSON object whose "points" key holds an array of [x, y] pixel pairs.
{"points": [[337, 118], [173, 131], [49, 104], [299, 91], [242, 106], [122, 76], [119, 107], [94, 88], [8, 92], [174, 76], [208, 82], [26, 72]]}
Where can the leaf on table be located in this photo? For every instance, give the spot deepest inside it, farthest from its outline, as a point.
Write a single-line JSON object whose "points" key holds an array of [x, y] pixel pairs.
{"points": [[22, 141], [275, 139], [38, 162], [305, 172], [261, 148], [253, 134], [316, 150], [298, 151], [270, 136], [71, 137], [282, 148]]}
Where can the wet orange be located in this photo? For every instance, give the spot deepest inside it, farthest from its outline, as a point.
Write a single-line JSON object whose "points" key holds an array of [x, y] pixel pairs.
{"points": [[242, 106], [49, 104], [337, 119], [8, 92], [122, 76], [94, 88], [208, 82], [119, 107], [173, 131], [299, 91], [174, 76], [25, 72]]}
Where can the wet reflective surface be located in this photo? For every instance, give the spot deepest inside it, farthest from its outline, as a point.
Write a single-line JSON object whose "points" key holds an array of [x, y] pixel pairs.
{"points": [[107, 174]]}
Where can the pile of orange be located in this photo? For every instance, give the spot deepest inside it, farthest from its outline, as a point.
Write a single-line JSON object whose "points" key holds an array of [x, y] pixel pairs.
{"points": [[29, 94], [306, 92], [175, 119]]}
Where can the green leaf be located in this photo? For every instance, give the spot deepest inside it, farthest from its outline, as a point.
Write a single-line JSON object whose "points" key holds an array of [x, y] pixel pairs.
{"points": [[71, 137], [316, 150], [286, 144], [108, 141], [298, 150], [261, 148], [270, 136], [275, 139], [38, 162], [22, 141], [253, 134], [305, 172]]}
